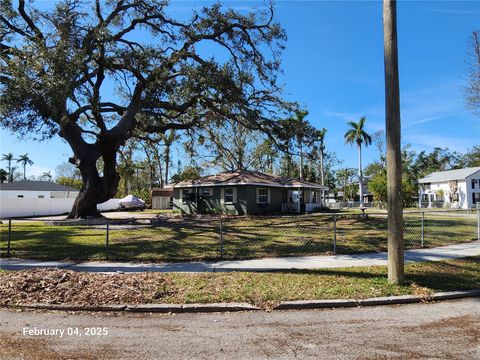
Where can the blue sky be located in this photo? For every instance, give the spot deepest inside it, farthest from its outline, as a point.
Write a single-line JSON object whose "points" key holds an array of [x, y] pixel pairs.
{"points": [[333, 65]]}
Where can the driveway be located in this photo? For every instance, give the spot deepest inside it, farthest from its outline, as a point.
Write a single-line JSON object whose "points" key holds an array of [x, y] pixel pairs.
{"points": [[447, 330]]}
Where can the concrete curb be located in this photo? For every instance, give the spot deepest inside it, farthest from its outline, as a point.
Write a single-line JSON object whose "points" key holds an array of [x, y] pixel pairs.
{"points": [[388, 300], [284, 305]]}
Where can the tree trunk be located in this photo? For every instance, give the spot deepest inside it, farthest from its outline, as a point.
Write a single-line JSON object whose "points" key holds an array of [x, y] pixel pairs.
{"points": [[393, 132], [167, 162], [322, 174], [96, 189], [301, 160], [360, 174], [25, 172]]}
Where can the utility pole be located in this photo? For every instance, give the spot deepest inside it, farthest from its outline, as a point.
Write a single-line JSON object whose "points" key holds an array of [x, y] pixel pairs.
{"points": [[393, 132]]}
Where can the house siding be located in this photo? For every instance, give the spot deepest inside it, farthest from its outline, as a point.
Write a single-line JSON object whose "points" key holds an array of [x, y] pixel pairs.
{"points": [[465, 191], [246, 201]]}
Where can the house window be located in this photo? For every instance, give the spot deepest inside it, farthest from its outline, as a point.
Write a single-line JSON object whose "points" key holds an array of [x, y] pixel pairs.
{"points": [[262, 196], [455, 196], [228, 196], [188, 196], [207, 192], [476, 198], [19, 196], [314, 197], [474, 183], [41, 196], [427, 186]]}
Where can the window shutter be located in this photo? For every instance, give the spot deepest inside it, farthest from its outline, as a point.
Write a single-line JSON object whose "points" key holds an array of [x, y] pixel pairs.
{"points": [[268, 196], [234, 195], [257, 195], [222, 196]]}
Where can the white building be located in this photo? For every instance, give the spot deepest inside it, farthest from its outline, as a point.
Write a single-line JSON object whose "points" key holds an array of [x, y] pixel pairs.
{"points": [[453, 188], [28, 189]]}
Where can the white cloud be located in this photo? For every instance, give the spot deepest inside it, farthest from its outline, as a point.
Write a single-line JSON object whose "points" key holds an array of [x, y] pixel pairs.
{"points": [[433, 140], [36, 170]]}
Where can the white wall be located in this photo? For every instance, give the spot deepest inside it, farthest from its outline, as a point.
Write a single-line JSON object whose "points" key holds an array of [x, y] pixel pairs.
{"points": [[469, 190], [462, 189], [27, 194], [34, 194], [32, 207], [18, 207]]}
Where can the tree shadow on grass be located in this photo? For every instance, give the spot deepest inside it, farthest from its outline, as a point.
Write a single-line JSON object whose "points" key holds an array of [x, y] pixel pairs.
{"points": [[443, 276]]}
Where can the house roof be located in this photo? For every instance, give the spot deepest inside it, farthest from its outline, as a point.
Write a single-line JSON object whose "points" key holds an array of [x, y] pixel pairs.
{"points": [[458, 174], [166, 191], [29, 185], [245, 177]]}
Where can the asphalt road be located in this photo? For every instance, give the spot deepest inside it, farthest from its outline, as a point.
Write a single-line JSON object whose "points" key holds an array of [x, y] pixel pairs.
{"points": [[446, 330]]}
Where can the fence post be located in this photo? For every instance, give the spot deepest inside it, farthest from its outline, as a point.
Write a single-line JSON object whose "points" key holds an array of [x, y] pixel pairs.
{"points": [[221, 238], [423, 228], [334, 234], [106, 241], [9, 236]]}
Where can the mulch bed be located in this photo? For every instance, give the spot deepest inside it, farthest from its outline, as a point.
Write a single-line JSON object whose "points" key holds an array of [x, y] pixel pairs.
{"points": [[52, 286]]}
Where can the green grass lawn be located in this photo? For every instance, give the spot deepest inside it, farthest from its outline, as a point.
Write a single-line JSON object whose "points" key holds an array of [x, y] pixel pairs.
{"points": [[192, 239], [263, 289]]}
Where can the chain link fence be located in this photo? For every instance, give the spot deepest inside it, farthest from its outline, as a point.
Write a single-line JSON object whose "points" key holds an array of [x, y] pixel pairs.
{"points": [[214, 238]]}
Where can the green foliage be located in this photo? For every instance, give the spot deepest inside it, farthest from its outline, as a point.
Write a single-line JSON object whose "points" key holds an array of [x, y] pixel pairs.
{"points": [[377, 185], [143, 194], [73, 183], [356, 134], [189, 173]]}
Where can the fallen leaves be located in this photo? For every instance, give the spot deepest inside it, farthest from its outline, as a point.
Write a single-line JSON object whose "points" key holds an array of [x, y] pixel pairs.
{"points": [[69, 287]]}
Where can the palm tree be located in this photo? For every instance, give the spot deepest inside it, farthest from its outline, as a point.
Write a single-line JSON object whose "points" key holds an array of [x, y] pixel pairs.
{"points": [[9, 157], [24, 160], [320, 138], [46, 175], [357, 135], [393, 132]]}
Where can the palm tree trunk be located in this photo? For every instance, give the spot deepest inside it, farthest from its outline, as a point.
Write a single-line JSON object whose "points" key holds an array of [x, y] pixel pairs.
{"points": [[322, 175], [301, 160], [360, 174], [393, 132]]}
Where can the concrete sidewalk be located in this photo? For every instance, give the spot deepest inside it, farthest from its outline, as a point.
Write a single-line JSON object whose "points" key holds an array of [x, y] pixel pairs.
{"points": [[265, 264]]}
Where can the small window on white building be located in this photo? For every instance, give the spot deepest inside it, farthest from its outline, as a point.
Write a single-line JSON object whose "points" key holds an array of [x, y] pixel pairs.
{"points": [[476, 198], [41, 196], [228, 196], [207, 191], [262, 196], [187, 195], [19, 196], [474, 183]]}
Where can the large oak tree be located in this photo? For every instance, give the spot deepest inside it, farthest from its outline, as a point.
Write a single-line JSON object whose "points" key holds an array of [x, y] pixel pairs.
{"points": [[58, 69]]}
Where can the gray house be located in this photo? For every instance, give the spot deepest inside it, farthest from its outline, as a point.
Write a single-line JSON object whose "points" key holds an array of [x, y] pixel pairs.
{"points": [[243, 192]]}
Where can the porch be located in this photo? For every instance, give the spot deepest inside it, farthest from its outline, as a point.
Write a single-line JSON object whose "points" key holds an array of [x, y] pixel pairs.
{"points": [[295, 200]]}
